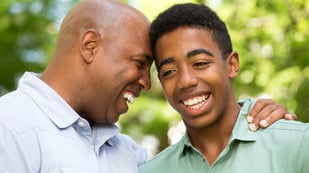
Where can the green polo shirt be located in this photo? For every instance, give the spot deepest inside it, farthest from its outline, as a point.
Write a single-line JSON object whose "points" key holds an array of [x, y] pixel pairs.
{"points": [[281, 148]]}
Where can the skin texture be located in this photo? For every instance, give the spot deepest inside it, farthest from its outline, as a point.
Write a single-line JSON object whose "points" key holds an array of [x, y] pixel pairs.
{"points": [[100, 57]]}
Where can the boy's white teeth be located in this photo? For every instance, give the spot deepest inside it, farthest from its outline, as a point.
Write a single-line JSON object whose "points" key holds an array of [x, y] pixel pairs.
{"points": [[129, 97], [195, 102]]}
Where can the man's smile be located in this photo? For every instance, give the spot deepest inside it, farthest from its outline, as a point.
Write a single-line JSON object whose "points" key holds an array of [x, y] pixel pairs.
{"points": [[129, 96]]}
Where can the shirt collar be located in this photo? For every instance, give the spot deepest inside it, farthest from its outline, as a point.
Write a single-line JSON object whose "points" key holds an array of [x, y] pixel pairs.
{"points": [[184, 145], [240, 131], [104, 133], [61, 113], [50, 103]]}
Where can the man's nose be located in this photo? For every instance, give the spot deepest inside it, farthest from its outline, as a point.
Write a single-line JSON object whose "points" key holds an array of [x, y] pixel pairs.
{"points": [[145, 81]]}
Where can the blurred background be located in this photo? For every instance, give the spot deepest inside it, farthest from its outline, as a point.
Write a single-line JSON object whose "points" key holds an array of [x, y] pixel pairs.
{"points": [[272, 38]]}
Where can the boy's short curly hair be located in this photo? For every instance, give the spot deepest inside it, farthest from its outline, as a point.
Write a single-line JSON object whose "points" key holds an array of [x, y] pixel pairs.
{"points": [[192, 15]]}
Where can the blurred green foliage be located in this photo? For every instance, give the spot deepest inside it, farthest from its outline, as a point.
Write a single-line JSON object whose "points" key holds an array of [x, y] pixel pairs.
{"points": [[27, 31], [272, 38]]}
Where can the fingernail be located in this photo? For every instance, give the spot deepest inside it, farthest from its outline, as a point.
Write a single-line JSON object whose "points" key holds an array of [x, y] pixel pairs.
{"points": [[289, 116], [263, 123], [249, 118], [252, 127]]}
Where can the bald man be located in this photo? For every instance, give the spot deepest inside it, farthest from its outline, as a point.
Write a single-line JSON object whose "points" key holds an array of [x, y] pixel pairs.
{"points": [[63, 119]]}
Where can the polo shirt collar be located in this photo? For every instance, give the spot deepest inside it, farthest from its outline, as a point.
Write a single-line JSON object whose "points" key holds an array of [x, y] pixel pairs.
{"points": [[240, 131], [184, 145]]}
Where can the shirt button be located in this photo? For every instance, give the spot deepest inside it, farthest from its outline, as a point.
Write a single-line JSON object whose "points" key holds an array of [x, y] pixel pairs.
{"points": [[80, 123]]}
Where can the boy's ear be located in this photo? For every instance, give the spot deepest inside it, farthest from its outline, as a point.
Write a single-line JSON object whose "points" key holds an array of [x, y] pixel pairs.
{"points": [[89, 43], [233, 63]]}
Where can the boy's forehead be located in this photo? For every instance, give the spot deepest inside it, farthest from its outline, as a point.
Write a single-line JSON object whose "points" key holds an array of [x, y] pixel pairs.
{"points": [[186, 38]]}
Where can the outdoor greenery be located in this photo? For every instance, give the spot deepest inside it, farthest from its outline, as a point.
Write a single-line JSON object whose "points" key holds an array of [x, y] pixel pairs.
{"points": [[272, 38]]}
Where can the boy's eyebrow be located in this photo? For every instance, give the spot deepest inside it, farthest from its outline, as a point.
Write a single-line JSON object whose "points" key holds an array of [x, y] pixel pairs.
{"points": [[166, 61], [189, 55], [199, 51]]}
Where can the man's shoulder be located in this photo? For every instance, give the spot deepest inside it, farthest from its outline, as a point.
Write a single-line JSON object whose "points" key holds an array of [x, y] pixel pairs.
{"points": [[130, 146], [15, 100], [18, 111]]}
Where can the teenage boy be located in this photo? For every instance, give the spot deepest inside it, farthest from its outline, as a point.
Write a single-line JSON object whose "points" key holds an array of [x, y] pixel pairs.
{"points": [[196, 66]]}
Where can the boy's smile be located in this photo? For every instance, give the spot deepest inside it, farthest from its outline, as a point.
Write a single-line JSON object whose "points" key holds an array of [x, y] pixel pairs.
{"points": [[196, 102]]}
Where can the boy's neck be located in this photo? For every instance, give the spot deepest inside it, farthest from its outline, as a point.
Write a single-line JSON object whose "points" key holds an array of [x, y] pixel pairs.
{"points": [[212, 140]]}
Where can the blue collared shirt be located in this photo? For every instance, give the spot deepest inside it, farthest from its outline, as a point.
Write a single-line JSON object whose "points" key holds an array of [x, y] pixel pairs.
{"points": [[40, 132]]}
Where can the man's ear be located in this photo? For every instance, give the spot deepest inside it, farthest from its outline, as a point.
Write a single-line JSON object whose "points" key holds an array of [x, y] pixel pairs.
{"points": [[89, 43], [233, 63]]}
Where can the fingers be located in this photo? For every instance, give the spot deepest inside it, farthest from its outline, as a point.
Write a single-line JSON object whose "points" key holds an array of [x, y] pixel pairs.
{"points": [[290, 116], [265, 112], [259, 106]]}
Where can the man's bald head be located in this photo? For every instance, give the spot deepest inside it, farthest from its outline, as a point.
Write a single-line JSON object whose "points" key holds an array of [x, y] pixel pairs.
{"points": [[108, 17], [102, 52]]}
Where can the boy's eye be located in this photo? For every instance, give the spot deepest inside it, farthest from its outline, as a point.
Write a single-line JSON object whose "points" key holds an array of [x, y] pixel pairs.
{"points": [[201, 64], [167, 73]]}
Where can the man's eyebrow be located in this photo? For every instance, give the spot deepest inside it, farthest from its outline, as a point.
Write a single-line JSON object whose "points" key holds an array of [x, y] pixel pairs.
{"points": [[199, 51], [149, 58], [166, 61]]}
